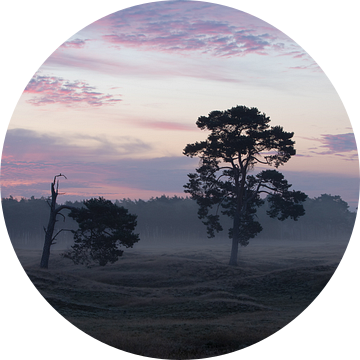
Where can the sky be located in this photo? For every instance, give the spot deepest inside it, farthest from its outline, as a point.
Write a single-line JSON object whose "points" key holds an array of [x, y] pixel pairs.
{"points": [[114, 106]]}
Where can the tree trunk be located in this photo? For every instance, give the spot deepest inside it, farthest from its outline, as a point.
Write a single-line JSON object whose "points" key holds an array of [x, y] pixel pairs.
{"points": [[235, 242], [234, 252], [54, 211], [44, 263], [235, 234]]}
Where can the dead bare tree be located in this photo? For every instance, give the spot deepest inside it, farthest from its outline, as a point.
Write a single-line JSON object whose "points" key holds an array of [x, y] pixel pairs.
{"points": [[54, 212]]}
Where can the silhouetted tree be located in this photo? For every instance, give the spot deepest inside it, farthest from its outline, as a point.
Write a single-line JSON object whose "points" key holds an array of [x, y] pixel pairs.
{"points": [[103, 228], [54, 212], [240, 138], [329, 217]]}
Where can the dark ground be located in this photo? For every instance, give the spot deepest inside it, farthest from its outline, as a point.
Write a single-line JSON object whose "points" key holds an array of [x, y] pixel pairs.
{"points": [[187, 303]]}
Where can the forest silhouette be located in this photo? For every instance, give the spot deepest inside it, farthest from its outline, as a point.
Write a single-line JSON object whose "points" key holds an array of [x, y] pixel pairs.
{"points": [[173, 220]]}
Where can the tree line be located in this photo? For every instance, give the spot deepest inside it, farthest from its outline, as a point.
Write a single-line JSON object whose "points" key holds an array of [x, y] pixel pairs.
{"points": [[227, 195], [174, 219]]}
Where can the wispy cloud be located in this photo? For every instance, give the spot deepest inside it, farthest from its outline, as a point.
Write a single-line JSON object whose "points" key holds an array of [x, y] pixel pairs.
{"points": [[96, 167], [27, 145], [202, 27], [309, 66], [335, 144], [166, 125], [56, 90], [339, 143], [76, 44], [97, 63], [174, 37], [200, 35]]}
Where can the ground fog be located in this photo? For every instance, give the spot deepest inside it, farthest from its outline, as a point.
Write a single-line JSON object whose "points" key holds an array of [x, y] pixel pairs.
{"points": [[186, 302]]}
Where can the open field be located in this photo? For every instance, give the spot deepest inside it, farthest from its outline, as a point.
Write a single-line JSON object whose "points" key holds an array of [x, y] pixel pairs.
{"points": [[185, 303]]}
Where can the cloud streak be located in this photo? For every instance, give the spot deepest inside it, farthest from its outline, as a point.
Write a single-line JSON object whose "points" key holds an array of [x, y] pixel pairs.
{"points": [[335, 144], [339, 143], [56, 90], [28, 146], [166, 125], [98, 167], [30, 161], [75, 44], [168, 68]]}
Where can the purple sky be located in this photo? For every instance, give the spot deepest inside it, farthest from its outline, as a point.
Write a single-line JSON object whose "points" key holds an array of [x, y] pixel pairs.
{"points": [[116, 103]]}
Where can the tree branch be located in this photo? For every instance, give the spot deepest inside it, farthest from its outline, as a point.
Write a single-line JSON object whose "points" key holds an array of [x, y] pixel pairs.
{"points": [[107, 233], [264, 191], [261, 162], [220, 202], [255, 192], [221, 176], [226, 167], [270, 188], [240, 162], [62, 207], [54, 237], [62, 216]]}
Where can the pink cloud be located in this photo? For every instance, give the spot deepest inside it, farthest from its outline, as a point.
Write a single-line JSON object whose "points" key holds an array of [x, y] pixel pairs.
{"points": [[202, 27], [184, 28], [198, 36], [55, 90]]}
